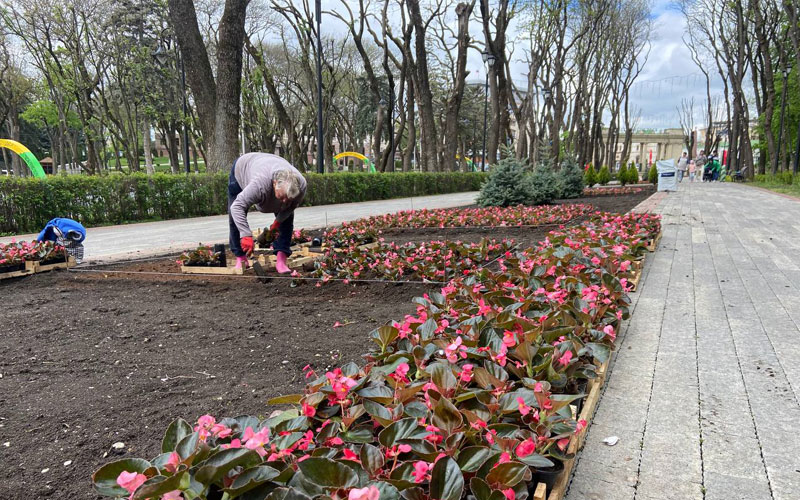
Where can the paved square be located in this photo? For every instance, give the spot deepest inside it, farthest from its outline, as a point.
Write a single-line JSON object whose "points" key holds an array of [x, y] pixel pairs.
{"points": [[703, 389]]}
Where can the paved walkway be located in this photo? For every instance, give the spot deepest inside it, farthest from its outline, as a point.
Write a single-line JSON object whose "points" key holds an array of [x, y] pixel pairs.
{"points": [[160, 238], [703, 392]]}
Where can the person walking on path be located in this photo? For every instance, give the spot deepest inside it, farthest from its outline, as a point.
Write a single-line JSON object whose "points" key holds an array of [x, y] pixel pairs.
{"points": [[700, 162], [683, 164], [273, 185], [692, 169]]}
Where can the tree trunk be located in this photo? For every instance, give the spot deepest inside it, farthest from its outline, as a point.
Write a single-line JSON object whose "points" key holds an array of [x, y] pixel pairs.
{"points": [[450, 138], [429, 135], [217, 102], [148, 153]]}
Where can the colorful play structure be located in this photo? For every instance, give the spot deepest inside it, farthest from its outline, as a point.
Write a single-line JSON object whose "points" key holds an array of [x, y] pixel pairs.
{"points": [[353, 154], [26, 155], [371, 166]]}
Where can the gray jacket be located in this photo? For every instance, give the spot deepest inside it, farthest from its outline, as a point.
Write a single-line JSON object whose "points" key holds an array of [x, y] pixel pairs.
{"points": [[254, 172]]}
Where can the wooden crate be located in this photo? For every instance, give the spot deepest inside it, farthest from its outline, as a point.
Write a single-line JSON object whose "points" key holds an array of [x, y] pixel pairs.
{"points": [[16, 274], [229, 270], [653, 244], [576, 443], [295, 261], [39, 268], [633, 280]]}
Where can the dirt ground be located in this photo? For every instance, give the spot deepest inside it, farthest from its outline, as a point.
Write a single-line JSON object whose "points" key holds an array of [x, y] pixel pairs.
{"points": [[91, 359]]}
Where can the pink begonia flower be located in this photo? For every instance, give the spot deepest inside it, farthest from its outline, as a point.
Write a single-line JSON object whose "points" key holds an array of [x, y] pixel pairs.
{"points": [[130, 480], [236, 443], [581, 425], [368, 493], [172, 495], [564, 359], [256, 440], [523, 408], [454, 350], [350, 455], [525, 448], [308, 410], [562, 444], [421, 469], [466, 373], [221, 431], [609, 330], [504, 457], [173, 462], [509, 493]]}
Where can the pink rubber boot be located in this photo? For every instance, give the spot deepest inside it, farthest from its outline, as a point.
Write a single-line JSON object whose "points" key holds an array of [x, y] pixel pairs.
{"points": [[242, 263], [280, 263]]}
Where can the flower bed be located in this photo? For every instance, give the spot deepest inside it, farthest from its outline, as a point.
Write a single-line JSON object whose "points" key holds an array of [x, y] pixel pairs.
{"points": [[469, 395], [16, 255], [617, 191]]}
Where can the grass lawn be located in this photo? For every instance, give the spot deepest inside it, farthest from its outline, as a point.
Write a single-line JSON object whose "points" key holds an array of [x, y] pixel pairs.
{"points": [[791, 189]]}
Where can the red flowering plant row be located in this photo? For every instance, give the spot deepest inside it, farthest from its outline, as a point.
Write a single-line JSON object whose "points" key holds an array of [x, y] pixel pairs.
{"points": [[203, 255], [432, 261], [468, 396], [617, 190], [368, 229], [16, 253]]}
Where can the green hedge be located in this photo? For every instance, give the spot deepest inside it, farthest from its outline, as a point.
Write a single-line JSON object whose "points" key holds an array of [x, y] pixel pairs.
{"points": [[26, 204]]}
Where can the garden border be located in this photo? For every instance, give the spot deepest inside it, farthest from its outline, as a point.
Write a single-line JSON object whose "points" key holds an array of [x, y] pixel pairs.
{"points": [[587, 413]]}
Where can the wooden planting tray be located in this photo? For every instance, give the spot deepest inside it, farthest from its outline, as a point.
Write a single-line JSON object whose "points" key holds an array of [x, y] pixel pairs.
{"points": [[635, 277], [16, 274], [301, 255], [229, 270], [39, 268], [576, 443], [653, 244]]}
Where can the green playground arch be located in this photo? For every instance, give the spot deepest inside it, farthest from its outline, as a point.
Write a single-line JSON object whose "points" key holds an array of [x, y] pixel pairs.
{"points": [[353, 154], [26, 155]]}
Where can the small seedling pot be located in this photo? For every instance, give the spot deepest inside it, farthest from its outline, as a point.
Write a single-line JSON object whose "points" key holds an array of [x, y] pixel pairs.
{"points": [[546, 475]]}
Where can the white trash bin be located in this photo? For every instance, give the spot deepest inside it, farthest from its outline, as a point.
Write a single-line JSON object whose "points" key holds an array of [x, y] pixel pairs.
{"points": [[667, 175]]}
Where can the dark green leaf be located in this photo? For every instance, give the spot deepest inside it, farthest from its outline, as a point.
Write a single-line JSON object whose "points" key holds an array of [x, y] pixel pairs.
{"points": [[251, 478], [105, 479], [288, 399], [507, 474], [398, 430], [328, 473], [446, 416], [536, 460], [371, 458], [220, 463], [188, 445], [480, 489], [447, 481], [442, 376], [176, 431], [159, 485], [471, 458]]}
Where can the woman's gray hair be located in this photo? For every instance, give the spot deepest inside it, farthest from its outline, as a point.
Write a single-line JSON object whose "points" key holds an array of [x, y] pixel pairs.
{"points": [[288, 182]]}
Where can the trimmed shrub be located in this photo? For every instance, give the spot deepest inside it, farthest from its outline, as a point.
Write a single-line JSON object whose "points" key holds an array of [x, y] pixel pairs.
{"points": [[604, 176], [541, 186], [633, 174], [622, 175], [570, 180], [652, 175], [590, 177], [26, 204], [506, 185]]}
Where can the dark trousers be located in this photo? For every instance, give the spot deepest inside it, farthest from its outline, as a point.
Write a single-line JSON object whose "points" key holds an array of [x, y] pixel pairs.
{"points": [[281, 244]]}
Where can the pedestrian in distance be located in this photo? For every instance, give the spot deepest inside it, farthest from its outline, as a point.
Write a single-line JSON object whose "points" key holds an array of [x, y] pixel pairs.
{"points": [[272, 185], [683, 164], [700, 163], [692, 169]]}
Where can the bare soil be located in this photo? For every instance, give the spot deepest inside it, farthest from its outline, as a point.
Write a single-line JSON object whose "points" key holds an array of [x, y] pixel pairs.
{"points": [[91, 359]]}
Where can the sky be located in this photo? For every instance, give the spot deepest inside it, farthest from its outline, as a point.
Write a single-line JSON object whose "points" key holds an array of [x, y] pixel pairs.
{"points": [[668, 76]]}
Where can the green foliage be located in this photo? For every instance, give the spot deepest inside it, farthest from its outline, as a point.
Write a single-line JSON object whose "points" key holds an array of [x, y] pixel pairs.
{"points": [[570, 180], [633, 174], [604, 176], [652, 175], [26, 204], [506, 185], [590, 177], [622, 174], [541, 186]]}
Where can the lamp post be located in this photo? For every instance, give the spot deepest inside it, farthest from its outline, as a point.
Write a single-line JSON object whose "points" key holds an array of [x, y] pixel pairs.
{"points": [[320, 138], [391, 126], [489, 60], [786, 71], [161, 57]]}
